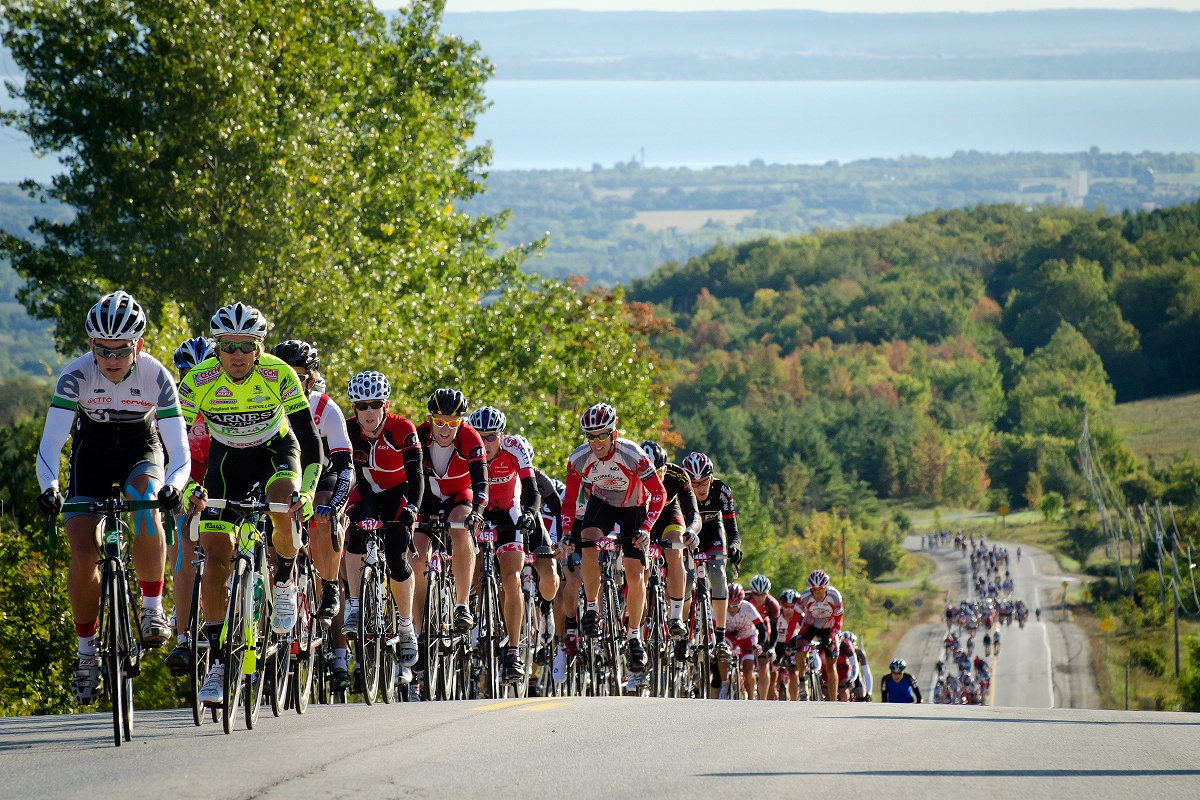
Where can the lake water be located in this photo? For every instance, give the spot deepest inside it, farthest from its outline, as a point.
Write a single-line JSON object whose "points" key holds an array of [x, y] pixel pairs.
{"points": [[543, 124]]}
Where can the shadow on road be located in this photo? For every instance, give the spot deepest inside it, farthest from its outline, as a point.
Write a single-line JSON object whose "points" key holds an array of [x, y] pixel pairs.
{"points": [[981, 718], [972, 773]]}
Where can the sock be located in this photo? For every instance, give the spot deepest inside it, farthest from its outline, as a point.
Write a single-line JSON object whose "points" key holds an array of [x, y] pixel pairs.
{"points": [[457, 606], [87, 630], [634, 633], [88, 645], [543, 605], [572, 623], [339, 657], [151, 593], [594, 607], [676, 609], [404, 624], [213, 631], [283, 569], [183, 638], [720, 632]]}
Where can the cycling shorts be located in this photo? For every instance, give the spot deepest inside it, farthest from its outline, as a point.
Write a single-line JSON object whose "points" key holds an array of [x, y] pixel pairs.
{"points": [[233, 471], [825, 640], [432, 506], [508, 536], [328, 481], [627, 520], [712, 537], [672, 521], [744, 646], [384, 506], [95, 466]]}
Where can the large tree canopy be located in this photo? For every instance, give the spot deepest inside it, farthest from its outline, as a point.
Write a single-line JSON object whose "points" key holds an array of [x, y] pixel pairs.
{"points": [[311, 159]]}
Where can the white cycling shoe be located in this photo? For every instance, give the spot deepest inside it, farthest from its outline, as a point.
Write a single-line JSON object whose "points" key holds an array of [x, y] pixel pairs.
{"points": [[213, 691], [559, 670], [283, 607]]}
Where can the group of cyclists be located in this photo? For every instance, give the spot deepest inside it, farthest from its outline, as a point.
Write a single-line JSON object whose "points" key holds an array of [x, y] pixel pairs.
{"points": [[239, 419]]}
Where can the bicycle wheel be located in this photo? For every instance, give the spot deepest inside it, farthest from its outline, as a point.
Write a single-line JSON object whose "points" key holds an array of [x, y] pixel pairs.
{"points": [[488, 645], [657, 643], [366, 645], [129, 654], [197, 652], [612, 640], [388, 637], [234, 636], [110, 660], [259, 630], [454, 669], [431, 642], [702, 655], [307, 657]]}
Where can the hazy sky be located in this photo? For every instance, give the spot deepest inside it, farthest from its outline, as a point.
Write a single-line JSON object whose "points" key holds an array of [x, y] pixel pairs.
{"points": [[822, 5]]}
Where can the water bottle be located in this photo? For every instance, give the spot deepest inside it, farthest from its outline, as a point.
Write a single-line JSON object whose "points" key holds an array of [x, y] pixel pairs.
{"points": [[372, 552]]}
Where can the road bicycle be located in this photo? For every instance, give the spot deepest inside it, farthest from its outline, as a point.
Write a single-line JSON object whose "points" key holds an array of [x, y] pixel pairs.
{"points": [[602, 652], [440, 646], [488, 650], [696, 679], [375, 641], [661, 664], [120, 647]]}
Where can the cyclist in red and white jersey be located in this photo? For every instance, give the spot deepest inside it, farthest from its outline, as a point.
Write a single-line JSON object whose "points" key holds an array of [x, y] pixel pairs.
{"points": [[518, 527], [625, 492], [337, 471], [785, 655], [456, 485], [820, 619], [745, 630], [770, 610]]}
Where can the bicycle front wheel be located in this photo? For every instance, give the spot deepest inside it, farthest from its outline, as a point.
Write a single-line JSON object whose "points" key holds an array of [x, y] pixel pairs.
{"points": [[489, 638], [110, 657], [657, 643], [234, 645], [388, 636], [431, 641], [258, 614]]}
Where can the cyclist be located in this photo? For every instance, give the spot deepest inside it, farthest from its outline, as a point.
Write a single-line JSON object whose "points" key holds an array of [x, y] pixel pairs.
{"points": [[513, 505], [820, 620], [847, 666], [337, 471], [745, 633], [678, 523], [862, 686], [389, 490], [771, 612], [625, 492], [110, 399], [898, 686], [785, 654], [719, 537], [262, 434], [190, 353], [456, 484]]}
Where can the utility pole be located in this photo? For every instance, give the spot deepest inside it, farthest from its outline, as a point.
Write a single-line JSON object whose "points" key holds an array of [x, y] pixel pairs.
{"points": [[1175, 608], [843, 527]]}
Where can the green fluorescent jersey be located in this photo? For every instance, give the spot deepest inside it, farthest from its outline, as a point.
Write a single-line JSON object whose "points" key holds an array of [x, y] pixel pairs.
{"points": [[243, 414]]}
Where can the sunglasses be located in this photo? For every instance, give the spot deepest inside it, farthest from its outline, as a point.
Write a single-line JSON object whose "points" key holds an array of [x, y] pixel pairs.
{"points": [[599, 437], [491, 437], [447, 423], [303, 376], [108, 352], [701, 482], [373, 405], [237, 347]]}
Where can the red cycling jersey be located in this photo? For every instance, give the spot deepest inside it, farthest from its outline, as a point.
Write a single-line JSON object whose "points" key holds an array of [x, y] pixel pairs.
{"points": [[513, 462], [825, 614], [623, 478], [448, 469], [381, 460], [198, 441]]}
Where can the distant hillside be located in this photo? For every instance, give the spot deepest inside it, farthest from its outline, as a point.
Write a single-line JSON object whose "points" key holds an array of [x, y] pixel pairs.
{"points": [[811, 45], [1161, 428]]}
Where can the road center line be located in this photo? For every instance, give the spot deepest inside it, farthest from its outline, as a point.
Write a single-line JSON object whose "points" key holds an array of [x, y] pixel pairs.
{"points": [[510, 703], [544, 706]]}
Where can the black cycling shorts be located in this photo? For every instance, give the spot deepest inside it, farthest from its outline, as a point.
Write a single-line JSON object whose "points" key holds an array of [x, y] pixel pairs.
{"points": [[96, 465], [712, 537], [826, 641], [628, 519], [233, 471], [670, 516]]}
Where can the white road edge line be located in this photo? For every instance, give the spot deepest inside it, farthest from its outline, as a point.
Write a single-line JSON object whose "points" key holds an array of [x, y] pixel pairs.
{"points": [[1045, 635]]}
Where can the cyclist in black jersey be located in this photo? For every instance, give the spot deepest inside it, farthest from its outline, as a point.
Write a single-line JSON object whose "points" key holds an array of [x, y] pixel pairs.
{"points": [[719, 537], [679, 523]]}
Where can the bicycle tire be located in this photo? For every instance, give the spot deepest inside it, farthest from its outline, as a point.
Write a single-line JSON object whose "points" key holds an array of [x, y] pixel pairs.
{"points": [[656, 641], [129, 653], [197, 651], [307, 649], [612, 640], [366, 645], [431, 641], [387, 652], [704, 644], [234, 645], [488, 645], [259, 581], [110, 659], [454, 669], [520, 687]]}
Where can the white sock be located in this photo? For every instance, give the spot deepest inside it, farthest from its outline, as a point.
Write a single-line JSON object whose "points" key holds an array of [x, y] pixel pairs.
{"points": [[152, 603], [354, 603], [635, 633], [593, 607], [182, 638], [88, 645], [676, 609], [404, 624]]}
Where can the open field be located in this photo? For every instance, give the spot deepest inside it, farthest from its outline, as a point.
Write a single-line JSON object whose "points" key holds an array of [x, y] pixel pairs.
{"points": [[689, 221], [1161, 428]]}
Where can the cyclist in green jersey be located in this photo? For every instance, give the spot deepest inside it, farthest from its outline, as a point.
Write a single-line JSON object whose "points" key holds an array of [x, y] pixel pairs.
{"points": [[262, 432]]}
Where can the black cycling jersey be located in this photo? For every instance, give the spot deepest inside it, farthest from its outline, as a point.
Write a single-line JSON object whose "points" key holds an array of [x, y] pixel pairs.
{"points": [[680, 506], [719, 518]]}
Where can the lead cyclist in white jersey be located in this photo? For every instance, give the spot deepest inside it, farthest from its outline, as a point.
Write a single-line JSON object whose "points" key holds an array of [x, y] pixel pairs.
{"points": [[110, 399]]}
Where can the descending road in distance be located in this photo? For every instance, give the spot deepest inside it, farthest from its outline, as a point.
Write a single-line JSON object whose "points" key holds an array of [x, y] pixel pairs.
{"points": [[613, 748], [1042, 666]]}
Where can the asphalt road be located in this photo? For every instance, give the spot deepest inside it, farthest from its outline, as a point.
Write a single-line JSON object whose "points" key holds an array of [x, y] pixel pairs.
{"points": [[613, 748], [1045, 665]]}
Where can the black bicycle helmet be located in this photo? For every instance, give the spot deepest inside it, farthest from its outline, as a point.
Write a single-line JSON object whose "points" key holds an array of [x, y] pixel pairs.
{"points": [[656, 453], [448, 403], [298, 354]]}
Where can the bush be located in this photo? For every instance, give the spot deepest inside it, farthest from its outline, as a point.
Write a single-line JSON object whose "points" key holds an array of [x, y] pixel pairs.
{"points": [[1152, 659], [881, 553]]}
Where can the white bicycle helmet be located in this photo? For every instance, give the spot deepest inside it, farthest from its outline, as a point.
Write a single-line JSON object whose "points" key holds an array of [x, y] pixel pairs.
{"points": [[116, 316], [487, 419], [369, 385], [818, 578], [598, 418], [697, 466], [760, 584], [238, 319]]}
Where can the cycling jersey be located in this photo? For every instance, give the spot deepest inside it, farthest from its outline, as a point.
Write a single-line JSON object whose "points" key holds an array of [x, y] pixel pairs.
{"points": [[198, 441], [624, 478], [112, 417], [245, 414], [387, 460], [904, 690], [826, 613], [336, 463], [512, 467], [743, 622], [458, 472], [679, 507], [770, 610], [719, 519], [847, 663]]}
